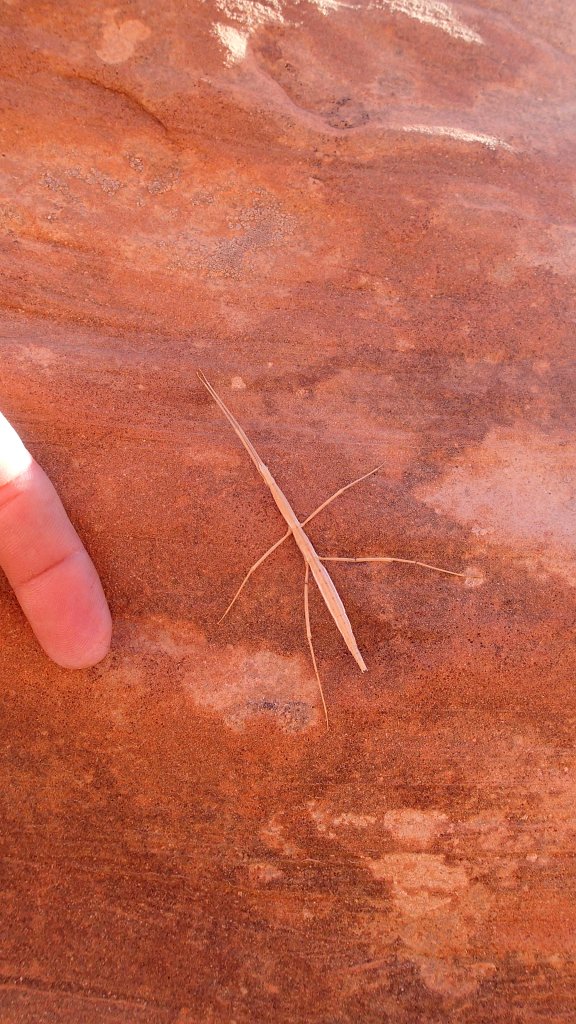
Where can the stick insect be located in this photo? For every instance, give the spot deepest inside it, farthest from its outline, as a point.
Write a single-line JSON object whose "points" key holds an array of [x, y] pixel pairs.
{"points": [[314, 563]]}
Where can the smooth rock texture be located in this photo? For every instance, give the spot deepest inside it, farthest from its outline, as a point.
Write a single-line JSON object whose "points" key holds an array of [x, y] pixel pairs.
{"points": [[358, 220]]}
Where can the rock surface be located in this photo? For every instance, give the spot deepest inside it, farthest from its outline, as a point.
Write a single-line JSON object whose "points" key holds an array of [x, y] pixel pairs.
{"points": [[358, 219]]}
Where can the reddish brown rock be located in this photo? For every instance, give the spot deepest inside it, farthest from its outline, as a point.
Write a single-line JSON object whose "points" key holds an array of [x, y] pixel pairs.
{"points": [[357, 219]]}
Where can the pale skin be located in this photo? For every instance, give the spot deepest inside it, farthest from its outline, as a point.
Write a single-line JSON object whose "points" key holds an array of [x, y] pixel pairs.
{"points": [[46, 563]]}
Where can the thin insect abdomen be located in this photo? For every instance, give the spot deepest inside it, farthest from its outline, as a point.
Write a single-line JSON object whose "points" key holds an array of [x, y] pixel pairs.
{"points": [[324, 581]]}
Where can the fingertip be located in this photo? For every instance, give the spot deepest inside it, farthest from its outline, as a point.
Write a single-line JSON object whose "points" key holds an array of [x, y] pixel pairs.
{"points": [[15, 459], [52, 575], [68, 612], [84, 652]]}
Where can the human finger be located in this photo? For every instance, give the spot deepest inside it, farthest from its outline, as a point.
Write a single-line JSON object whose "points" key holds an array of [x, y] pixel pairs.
{"points": [[46, 563]]}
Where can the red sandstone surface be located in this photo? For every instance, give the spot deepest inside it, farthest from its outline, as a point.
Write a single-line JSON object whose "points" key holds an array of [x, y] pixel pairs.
{"points": [[358, 219]]}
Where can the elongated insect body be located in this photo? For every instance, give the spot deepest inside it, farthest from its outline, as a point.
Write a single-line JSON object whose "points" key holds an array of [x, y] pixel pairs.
{"points": [[324, 582], [313, 561]]}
